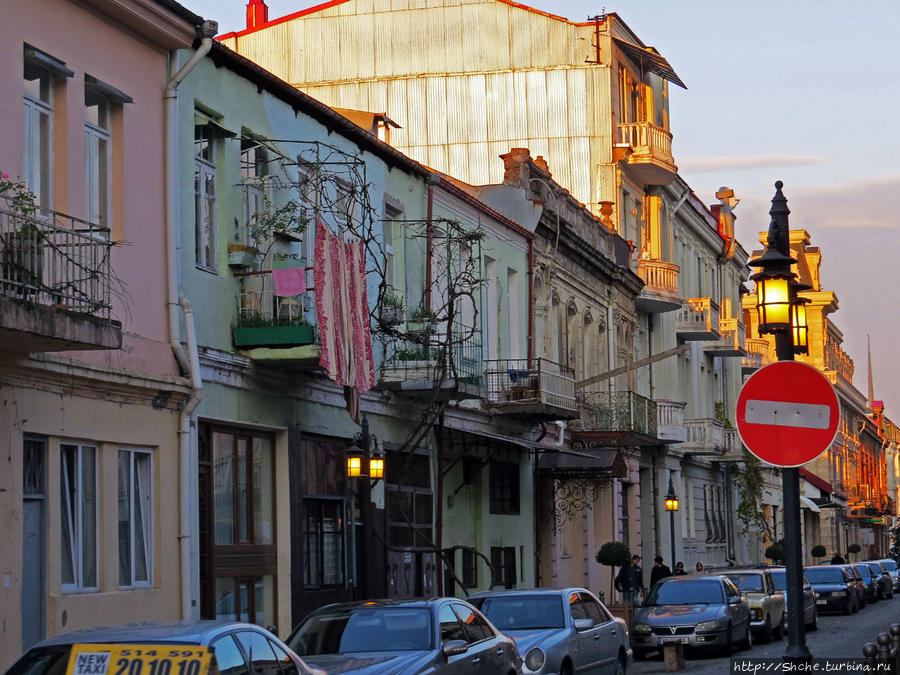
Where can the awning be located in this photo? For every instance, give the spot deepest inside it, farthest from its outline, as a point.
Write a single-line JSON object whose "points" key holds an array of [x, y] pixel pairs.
{"points": [[809, 504], [605, 461], [200, 119], [100, 89], [649, 60]]}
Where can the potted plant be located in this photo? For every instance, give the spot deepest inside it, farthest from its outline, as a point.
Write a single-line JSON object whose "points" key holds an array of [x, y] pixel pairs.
{"points": [[615, 554], [775, 552], [420, 323], [23, 244], [853, 549], [391, 310], [818, 552]]}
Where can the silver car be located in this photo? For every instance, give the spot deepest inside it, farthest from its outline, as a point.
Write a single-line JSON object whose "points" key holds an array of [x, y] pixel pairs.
{"points": [[704, 612], [562, 631]]}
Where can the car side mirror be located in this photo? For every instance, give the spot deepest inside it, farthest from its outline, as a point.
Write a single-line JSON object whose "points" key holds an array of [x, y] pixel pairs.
{"points": [[735, 599], [454, 647], [583, 624], [807, 587]]}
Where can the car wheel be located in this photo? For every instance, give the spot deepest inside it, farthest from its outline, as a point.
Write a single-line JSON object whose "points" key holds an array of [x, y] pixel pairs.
{"points": [[566, 669], [778, 633], [814, 625], [728, 647], [765, 635], [747, 642], [620, 666]]}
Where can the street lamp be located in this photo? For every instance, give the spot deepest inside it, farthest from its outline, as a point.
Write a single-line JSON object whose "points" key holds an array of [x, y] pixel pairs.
{"points": [[781, 314], [799, 323], [672, 507], [364, 455]]}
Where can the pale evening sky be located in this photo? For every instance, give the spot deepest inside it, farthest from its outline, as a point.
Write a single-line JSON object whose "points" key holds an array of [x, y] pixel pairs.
{"points": [[801, 91]]}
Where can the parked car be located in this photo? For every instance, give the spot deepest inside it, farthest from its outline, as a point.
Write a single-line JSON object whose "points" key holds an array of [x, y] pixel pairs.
{"points": [[810, 611], [858, 583], [835, 587], [703, 612], [883, 582], [175, 647], [891, 566], [562, 631], [870, 581], [403, 637], [767, 603]]}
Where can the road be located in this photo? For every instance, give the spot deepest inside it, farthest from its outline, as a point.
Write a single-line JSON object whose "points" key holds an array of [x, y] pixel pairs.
{"points": [[838, 636]]}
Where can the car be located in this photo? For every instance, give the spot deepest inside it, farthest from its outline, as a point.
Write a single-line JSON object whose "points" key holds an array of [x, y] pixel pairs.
{"points": [[835, 587], [403, 637], [858, 583], [237, 649], [564, 631], [767, 603], [810, 611], [891, 566], [707, 612], [883, 582], [870, 581]]}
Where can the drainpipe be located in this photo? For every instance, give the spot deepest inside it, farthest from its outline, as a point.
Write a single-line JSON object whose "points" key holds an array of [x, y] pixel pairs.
{"points": [[530, 348]]}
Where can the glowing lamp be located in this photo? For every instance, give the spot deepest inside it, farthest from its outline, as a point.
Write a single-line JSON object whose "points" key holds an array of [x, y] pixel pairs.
{"points": [[773, 301], [800, 326], [376, 467], [354, 467]]}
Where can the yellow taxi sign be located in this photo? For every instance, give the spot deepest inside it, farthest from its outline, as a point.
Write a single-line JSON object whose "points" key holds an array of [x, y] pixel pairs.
{"points": [[138, 659]]}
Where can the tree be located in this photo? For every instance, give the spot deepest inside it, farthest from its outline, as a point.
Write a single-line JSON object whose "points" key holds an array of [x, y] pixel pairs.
{"points": [[775, 552], [853, 549], [818, 551], [614, 554]]}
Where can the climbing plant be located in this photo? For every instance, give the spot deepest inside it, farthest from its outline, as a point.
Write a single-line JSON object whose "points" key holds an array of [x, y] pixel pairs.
{"points": [[749, 482]]}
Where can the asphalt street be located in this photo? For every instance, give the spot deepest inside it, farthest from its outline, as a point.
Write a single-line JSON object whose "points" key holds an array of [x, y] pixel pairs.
{"points": [[838, 636]]}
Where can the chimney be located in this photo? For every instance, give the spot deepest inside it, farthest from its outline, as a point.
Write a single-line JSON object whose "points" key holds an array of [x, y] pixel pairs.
{"points": [[257, 13]]}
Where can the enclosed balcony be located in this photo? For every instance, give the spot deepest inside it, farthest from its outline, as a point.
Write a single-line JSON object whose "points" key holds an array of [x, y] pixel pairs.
{"points": [[538, 389], [698, 319], [731, 340], [703, 436], [670, 420], [650, 158], [276, 330], [56, 284], [434, 365], [756, 356], [615, 419], [660, 291]]}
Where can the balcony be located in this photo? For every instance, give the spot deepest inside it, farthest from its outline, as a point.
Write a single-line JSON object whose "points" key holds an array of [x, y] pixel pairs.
{"points": [[731, 342], [650, 160], [538, 390], [698, 319], [756, 356], [704, 436], [838, 363], [56, 285], [419, 367], [616, 419], [660, 291], [277, 331], [670, 420], [733, 449]]}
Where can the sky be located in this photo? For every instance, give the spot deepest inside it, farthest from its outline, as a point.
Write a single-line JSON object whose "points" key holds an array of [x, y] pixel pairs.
{"points": [[803, 91]]}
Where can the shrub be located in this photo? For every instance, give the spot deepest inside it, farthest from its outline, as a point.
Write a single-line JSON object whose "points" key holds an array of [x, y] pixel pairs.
{"points": [[775, 552], [818, 551]]}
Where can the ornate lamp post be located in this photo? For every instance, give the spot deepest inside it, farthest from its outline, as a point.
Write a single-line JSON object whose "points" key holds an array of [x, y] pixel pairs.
{"points": [[782, 315], [672, 507]]}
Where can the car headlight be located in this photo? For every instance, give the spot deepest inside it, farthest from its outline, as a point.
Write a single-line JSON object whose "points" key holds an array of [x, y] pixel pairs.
{"points": [[755, 614], [534, 659], [640, 628], [707, 625], [838, 594]]}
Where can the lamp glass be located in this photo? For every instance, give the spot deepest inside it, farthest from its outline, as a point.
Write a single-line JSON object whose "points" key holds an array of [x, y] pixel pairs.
{"points": [[376, 467], [773, 303], [354, 467], [671, 503], [800, 327]]}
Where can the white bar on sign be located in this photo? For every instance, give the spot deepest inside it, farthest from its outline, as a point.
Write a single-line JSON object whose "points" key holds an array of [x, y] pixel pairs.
{"points": [[784, 414]]}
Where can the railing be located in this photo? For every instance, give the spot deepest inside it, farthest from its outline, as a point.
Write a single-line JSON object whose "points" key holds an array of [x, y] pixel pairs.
{"points": [[424, 359], [659, 276], [617, 411], [757, 353], [648, 139], [537, 381], [258, 305], [698, 316], [51, 258], [731, 441], [704, 434], [670, 420], [836, 359]]}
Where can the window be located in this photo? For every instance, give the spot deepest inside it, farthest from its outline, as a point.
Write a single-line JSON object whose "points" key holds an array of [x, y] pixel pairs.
{"points": [[78, 505], [476, 628], [262, 657], [135, 518], [503, 560], [450, 626], [392, 231], [229, 659], [504, 488], [205, 213], [323, 539], [469, 568], [253, 169], [100, 101], [409, 498]]}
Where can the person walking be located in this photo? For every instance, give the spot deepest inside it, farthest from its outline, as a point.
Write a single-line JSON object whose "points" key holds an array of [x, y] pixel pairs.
{"points": [[630, 580], [837, 559], [659, 571], [679, 569]]}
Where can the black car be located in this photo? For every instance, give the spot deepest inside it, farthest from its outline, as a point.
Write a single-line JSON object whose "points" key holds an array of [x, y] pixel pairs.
{"points": [[858, 583], [404, 637], [835, 588], [883, 581], [869, 580]]}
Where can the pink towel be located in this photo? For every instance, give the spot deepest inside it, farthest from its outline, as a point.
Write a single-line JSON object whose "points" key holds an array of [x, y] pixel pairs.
{"points": [[289, 282]]}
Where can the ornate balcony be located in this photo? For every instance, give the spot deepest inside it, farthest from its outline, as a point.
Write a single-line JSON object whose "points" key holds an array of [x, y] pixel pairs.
{"points": [[670, 420], [536, 390], [650, 159], [704, 436], [660, 291], [731, 342], [838, 363], [733, 448], [615, 419], [756, 356], [698, 319], [56, 284]]}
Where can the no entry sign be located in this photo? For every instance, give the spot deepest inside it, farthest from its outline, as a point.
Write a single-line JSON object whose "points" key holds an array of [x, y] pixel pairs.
{"points": [[787, 413]]}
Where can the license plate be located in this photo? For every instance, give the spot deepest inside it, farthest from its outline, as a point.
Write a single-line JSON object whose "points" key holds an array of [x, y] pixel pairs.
{"points": [[821, 602], [673, 641]]}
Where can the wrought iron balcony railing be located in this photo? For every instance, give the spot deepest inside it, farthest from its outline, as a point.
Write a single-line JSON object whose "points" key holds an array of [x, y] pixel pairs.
{"points": [[618, 412], [516, 382]]}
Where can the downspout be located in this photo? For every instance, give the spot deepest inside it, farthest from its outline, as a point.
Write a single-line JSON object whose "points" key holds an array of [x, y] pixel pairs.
{"points": [[189, 363], [530, 347], [426, 298]]}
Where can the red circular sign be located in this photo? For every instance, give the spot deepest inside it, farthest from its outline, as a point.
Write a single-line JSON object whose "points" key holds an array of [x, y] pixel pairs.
{"points": [[787, 413]]}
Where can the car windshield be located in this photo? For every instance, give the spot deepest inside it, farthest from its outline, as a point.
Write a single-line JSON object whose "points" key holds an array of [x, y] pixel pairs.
{"points": [[522, 612], [864, 571], [825, 575], [780, 579], [699, 592], [42, 661], [889, 565], [366, 629], [749, 583]]}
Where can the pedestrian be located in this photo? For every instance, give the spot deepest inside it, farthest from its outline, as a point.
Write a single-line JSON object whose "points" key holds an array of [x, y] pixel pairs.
{"points": [[699, 567], [837, 559], [630, 580], [679, 569], [659, 571]]}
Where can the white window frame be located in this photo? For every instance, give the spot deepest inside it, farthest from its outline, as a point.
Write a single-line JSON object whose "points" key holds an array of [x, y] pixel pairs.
{"points": [[76, 519], [37, 160], [253, 184], [95, 135], [148, 504], [206, 218]]}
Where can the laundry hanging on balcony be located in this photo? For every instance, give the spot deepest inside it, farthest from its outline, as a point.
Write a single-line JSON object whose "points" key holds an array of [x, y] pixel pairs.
{"points": [[342, 311], [289, 282]]}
